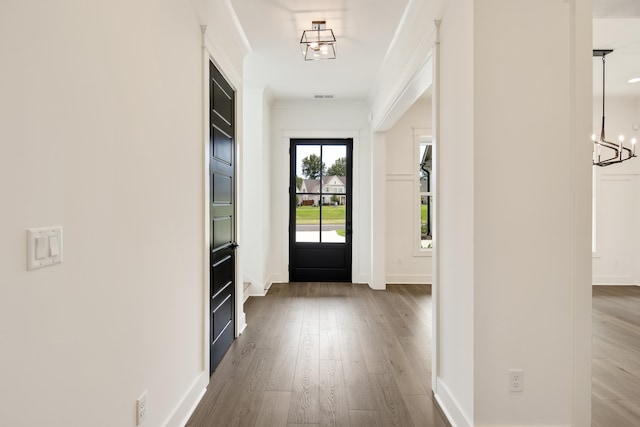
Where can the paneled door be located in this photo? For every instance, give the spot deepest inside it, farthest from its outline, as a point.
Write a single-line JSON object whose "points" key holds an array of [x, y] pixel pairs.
{"points": [[222, 215], [320, 210]]}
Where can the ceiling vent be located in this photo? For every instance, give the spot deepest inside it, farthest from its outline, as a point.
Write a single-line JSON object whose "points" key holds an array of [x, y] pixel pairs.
{"points": [[323, 96]]}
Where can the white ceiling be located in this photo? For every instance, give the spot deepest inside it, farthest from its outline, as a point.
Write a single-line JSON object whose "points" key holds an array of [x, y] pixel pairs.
{"points": [[623, 36], [364, 30], [616, 8]]}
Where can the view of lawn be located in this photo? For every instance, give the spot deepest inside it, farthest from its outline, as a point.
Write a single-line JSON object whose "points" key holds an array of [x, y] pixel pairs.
{"points": [[311, 215], [423, 213]]}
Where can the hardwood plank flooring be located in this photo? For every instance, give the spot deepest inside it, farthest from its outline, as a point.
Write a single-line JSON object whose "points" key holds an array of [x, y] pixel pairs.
{"points": [[364, 418], [274, 409], [344, 355], [327, 354], [616, 356], [305, 398]]}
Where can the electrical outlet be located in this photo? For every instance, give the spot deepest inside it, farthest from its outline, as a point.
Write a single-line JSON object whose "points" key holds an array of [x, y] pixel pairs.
{"points": [[142, 408], [516, 380]]}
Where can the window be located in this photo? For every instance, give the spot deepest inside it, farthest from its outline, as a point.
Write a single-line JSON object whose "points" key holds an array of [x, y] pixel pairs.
{"points": [[311, 218], [425, 190], [594, 186]]}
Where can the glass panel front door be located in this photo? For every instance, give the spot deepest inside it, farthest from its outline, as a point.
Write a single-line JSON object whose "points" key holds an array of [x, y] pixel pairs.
{"points": [[320, 213]]}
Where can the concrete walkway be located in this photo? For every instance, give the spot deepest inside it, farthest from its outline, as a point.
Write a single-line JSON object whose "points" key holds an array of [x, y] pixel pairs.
{"points": [[312, 236]]}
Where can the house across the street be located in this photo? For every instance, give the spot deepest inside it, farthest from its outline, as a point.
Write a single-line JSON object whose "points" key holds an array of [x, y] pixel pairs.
{"points": [[333, 191]]}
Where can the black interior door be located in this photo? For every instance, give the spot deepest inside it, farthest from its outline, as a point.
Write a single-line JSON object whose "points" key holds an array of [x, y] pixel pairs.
{"points": [[222, 215], [320, 210]]}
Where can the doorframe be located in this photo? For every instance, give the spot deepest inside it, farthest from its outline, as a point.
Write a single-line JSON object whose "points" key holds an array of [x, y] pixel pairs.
{"points": [[284, 179], [211, 51]]}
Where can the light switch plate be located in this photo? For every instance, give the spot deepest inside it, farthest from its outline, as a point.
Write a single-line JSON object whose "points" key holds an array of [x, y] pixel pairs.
{"points": [[52, 247]]}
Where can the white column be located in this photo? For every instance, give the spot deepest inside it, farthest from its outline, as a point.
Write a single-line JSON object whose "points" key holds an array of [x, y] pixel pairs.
{"points": [[378, 224], [515, 212]]}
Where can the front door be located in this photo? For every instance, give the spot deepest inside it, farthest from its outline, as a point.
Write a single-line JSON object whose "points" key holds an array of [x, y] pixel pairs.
{"points": [[320, 210], [222, 215]]}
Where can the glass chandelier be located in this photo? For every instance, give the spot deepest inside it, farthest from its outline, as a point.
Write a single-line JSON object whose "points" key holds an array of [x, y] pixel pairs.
{"points": [[318, 43]]}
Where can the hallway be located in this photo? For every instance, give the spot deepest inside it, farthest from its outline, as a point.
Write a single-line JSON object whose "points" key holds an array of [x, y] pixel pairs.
{"points": [[327, 354]]}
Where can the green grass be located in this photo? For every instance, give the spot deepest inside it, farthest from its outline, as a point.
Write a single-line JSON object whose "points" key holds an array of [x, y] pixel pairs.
{"points": [[423, 213], [311, 215], [341, 233]]}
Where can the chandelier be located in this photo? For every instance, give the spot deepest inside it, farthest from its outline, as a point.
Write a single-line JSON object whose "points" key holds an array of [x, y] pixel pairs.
{"points": [[318, 43], [605, 152]]}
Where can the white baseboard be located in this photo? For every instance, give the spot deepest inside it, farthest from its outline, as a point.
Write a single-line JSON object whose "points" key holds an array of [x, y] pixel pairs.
{"points": [[450, 406], [189, 401], [524, 425], [364, 279], [625, 280], [246, 291], [278, 278], [256, 291], [616, 284], [242, 324], [270, 282], [408, 279], [622, 279]]}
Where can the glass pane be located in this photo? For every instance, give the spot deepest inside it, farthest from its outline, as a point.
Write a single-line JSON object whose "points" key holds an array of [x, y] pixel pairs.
{"points": [[335, 158], [334, 220], [426, 162], [426, 241], [321, 187], [307, 223], [309, 168]]}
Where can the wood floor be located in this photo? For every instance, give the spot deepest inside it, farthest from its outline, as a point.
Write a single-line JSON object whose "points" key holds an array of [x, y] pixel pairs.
{"points": [[616, 356], [323, 354], [344, 355]]}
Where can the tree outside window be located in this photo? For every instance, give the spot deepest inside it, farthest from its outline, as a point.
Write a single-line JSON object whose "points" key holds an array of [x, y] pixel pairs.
{"points": [[426, 194]]}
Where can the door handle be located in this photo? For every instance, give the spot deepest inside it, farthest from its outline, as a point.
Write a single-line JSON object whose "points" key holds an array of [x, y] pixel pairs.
{"points": [[234, 246]]}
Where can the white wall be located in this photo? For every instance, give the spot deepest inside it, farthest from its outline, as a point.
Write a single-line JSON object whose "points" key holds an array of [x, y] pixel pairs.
{"points": [[403, 263], [509, 298], [322, 119], [265, 210], [102, 134], [256, 212], [617, 196]]}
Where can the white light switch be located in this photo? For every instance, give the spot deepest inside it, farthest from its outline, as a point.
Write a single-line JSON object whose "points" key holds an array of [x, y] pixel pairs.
{"points": [[44, 247], [54, 246]]}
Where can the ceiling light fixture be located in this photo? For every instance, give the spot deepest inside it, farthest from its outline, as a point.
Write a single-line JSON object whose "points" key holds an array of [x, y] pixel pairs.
{"points": [[634, 80], [618, 153], [318, 43]]}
